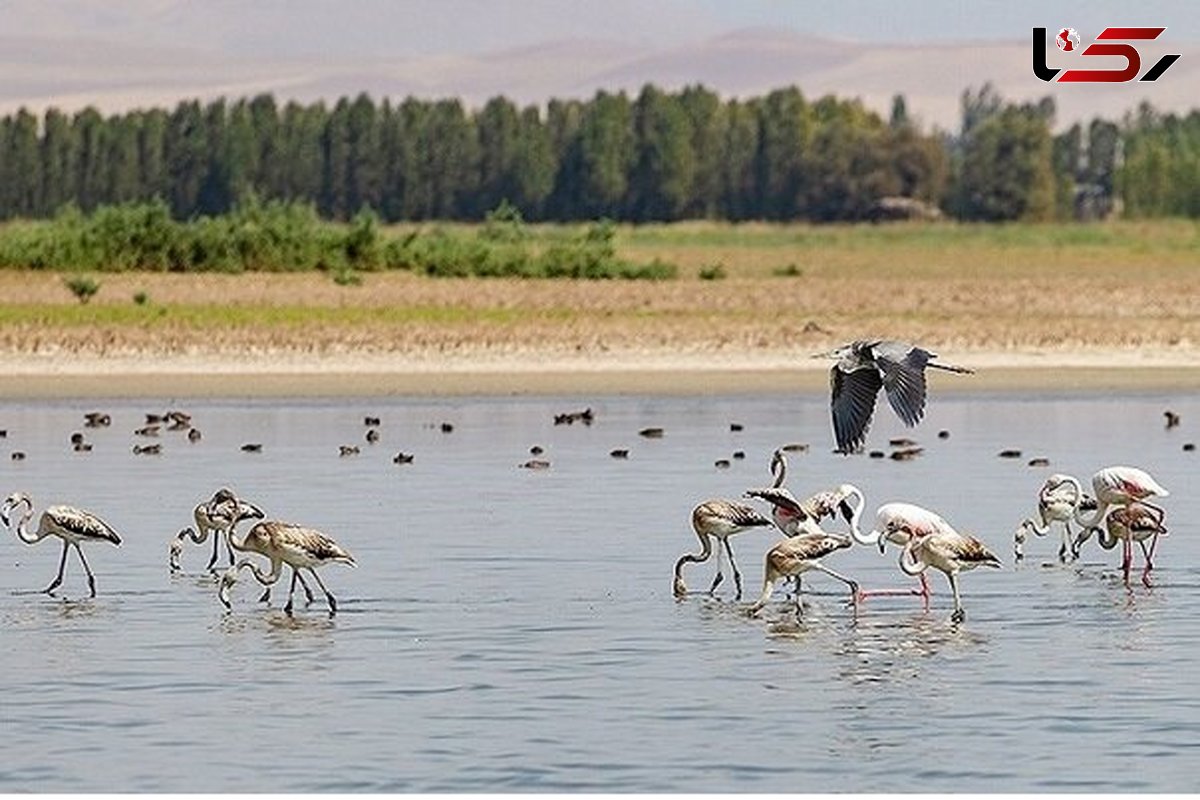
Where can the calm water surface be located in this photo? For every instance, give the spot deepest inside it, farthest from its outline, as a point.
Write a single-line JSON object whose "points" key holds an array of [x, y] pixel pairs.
{"points": [[514, 630]]}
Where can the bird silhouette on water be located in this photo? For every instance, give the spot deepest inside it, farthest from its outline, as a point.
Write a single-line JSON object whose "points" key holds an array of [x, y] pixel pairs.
{"points": [[863, 368]]}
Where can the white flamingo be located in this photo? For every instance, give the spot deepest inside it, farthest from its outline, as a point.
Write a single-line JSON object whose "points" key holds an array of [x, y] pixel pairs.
{"points": [[1119, 486], [798, 554], [718, 519], [949, 552], [1059, 499], [218, 516], [70, 524], [284, 543], [901, 523]]}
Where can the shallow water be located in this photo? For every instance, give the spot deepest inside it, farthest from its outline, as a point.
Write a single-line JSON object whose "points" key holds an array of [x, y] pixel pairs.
{"points": [[514, 630]]}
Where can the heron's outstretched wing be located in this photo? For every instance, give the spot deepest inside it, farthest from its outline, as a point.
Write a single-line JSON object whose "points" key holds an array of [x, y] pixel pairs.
{"points": [[853, 403], [904, 382]]}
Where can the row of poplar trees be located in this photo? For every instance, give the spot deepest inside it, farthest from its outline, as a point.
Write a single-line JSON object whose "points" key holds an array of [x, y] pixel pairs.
{"points": [[657, 156]]}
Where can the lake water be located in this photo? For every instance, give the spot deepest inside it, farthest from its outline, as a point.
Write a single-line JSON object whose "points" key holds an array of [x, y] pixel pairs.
{"points": [[514, 630]]}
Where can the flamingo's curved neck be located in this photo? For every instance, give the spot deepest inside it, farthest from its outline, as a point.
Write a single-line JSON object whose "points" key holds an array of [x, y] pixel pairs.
{"points": [[22, 530], [855, 515], [909, 563], [265, 578]]}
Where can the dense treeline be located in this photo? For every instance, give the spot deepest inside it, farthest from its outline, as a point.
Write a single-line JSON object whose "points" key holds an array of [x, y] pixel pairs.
{"points": [[656, 156]]}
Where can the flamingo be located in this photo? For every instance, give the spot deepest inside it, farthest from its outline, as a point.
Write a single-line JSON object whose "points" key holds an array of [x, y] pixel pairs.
{"points": [[284, 543], [949, 552], [900, 524], [1127, 524], [790, 515], [795, 555], [863, 368], [70, 524], [718, 519], [1116, 486], [1058, 501], [220, 514]]}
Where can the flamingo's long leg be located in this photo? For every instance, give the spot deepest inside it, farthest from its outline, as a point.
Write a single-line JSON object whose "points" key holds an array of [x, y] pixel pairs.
{"points": [[62, 568], [737, 576], [91, 577], [328, 594]]}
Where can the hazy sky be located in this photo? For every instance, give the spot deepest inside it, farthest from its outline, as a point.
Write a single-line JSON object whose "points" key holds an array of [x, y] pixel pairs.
{"points": [[121, 54], [296, 28]]}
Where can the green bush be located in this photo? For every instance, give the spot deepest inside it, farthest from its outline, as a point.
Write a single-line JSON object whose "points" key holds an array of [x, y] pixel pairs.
{"points": [[278, 236], [82, 286]]}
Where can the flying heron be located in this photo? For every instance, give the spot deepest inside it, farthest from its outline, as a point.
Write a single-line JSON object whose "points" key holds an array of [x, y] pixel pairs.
{"points": [[865, 366]]}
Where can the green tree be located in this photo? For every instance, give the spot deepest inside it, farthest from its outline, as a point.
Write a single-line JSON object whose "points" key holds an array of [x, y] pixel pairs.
{"points": [[664, 169], [58, 162], [785, 136]]}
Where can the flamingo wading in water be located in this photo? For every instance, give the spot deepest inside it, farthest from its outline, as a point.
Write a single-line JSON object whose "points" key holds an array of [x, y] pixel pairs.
{"points": [[798, 554], [950, 553], [718, 519], [284, 543], [1135, 522], [70, 524], [863, 368], [1059, 499], [217, 516]]}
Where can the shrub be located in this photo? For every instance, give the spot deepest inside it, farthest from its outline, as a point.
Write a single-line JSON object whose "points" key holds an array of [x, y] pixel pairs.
{"points": [[82, 286]]}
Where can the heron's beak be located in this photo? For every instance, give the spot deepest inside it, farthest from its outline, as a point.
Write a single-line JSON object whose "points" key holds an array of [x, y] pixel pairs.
{"points": [[830, 354]]}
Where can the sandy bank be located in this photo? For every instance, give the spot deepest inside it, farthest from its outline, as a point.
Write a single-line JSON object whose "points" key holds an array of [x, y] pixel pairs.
{"points": [[532, 372]]}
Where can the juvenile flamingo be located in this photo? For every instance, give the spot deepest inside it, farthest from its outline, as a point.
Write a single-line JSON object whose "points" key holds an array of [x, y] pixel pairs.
{"points": [[70, 524], [284, 543], [219, 516], [718, 519], [798, 554], [949, 552], [1059, 499]]}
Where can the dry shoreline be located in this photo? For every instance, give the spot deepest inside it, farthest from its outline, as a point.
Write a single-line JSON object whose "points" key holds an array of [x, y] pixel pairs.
{"points": [[292, 375]]}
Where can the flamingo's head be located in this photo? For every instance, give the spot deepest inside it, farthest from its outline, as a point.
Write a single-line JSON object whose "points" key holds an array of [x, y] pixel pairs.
{"points": [[12, 501], [228, 579]]}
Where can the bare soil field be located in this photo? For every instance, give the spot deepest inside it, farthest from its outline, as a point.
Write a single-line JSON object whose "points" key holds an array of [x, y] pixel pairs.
{"points": [[1026, 305]]}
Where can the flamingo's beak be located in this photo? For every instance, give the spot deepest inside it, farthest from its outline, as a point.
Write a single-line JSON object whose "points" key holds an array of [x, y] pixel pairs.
{"points": [[249, 511]]}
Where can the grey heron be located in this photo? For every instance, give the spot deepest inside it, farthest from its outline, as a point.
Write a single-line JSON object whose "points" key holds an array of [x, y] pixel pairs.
{"points": [[864, 367]]}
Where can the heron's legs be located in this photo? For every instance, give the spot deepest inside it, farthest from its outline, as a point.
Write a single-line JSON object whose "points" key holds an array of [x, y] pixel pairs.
{"points": [[62, 568]]}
